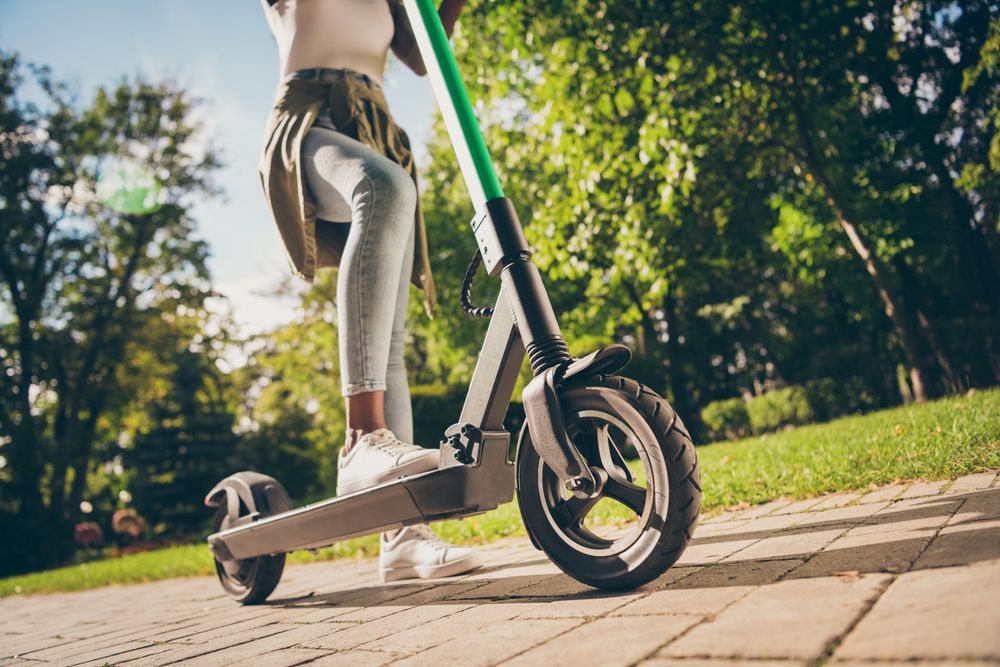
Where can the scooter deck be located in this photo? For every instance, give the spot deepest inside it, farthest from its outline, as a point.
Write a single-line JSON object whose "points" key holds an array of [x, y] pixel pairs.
{"points": [[448, 492]]}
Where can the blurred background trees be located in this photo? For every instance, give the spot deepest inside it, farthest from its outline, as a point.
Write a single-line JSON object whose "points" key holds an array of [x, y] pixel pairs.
{"points": [[789, 211]]}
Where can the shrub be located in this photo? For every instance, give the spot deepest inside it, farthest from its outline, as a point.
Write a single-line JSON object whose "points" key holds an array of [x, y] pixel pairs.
{"points": [[438, 406], [778, 408], [727, 419], [435, 408]]}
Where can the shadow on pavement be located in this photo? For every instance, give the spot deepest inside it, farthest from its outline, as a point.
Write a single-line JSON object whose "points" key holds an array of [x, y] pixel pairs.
{"points": [[892, 540]]}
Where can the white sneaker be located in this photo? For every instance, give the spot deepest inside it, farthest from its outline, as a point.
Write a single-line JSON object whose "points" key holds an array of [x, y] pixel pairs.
{"points": [[417, 552], [379, 456]]}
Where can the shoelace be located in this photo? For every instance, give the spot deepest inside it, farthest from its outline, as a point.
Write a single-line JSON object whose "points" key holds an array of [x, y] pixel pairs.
{"points": [[390, 444], [429, 536]]}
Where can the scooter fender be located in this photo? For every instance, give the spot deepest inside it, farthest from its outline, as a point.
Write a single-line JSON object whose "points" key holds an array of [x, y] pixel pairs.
{"points": [[543, 415], [260, 494]]}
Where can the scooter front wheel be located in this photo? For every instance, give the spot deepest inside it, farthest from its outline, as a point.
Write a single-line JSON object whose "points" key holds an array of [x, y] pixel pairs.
{"points": [[642, 519]]}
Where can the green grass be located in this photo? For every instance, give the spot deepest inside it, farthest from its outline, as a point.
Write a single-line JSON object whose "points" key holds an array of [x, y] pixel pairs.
{"points": [[937, 440]]}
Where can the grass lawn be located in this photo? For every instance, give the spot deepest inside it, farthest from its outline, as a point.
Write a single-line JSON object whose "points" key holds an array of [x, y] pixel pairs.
{"points": [[936, 440]]}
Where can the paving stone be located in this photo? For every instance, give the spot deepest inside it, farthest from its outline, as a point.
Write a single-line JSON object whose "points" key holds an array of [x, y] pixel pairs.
{"points": [[675, 573], [798, 506], [894, 663], [718, 518], [978, 507], [354, 658], [711, 551], [770, 524], [919, 489], [867, 552], [882, 494], [910, 515], [758, 511], [790, 619], [186, 652], [791, 545], [851, 514], [492, 644], [709, 591], [289, 636], [581, 606], [287, 657], [617, 641], [124, 658], [837, 500], [944, 613], [715, 529], [707, 662], [963, 544], [969, 483], [557, 585], [353, 635], [469, 622], [103, 654]]}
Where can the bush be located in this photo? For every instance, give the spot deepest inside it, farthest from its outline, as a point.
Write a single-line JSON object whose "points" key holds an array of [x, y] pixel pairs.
{"points": [[778, 408], [435, 408], [438, 406], [727, 419]]}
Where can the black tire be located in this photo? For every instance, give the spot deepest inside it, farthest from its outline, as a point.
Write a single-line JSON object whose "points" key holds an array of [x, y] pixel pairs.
{"points": [[248, 581], [670, 501]]}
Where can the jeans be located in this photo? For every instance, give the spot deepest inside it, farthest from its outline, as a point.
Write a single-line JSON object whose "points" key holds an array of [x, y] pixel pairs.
{"points": [[352, 184]]}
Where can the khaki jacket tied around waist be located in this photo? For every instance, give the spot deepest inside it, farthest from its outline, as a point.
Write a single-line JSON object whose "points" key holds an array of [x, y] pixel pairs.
{"points": [[358, 110]]}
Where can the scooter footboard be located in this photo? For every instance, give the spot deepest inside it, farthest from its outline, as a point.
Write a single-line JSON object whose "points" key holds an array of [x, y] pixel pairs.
{"points": [[448, 492]]}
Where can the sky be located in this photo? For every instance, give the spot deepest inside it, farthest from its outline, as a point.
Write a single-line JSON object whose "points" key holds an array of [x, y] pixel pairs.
{"points": [[222, 52]]}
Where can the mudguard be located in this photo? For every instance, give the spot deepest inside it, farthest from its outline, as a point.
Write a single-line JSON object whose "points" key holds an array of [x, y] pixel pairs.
{"points": [[544, 418], [543, 413], [259, 494]]}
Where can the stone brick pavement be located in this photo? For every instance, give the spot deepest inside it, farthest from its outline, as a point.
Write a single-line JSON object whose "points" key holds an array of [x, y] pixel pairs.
{"points": [[907, 573]]}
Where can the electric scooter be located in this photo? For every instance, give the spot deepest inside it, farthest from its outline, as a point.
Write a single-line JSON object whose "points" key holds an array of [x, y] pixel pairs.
{"points": [[581, 423]]}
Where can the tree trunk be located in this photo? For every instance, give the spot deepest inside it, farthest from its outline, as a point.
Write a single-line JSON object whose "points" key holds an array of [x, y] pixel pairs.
{"points": [[680, 386], [911, 293], [26, 467], [899, 314]]}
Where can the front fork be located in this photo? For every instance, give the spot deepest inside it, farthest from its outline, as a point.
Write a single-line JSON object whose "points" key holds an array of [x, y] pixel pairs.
{"points": [[505, 250]]}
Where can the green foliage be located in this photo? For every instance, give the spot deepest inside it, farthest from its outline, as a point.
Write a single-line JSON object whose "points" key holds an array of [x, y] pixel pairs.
{"points": [[189, 448], [777, 408], [435, 408], [727, 419], [293, 417]]}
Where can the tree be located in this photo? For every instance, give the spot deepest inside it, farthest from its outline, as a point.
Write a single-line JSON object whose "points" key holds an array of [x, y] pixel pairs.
{"points": [[83, 261], [190, 446], [664, 150]]}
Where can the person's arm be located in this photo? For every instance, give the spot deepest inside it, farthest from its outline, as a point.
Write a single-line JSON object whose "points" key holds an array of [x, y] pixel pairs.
{"points": [[404, 44]]}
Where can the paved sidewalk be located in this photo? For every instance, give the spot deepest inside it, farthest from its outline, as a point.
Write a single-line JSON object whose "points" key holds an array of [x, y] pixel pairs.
{"points": [[904, 573]]}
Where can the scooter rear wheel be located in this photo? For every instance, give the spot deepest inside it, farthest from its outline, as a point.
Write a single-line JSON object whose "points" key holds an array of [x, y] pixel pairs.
{"points": [[248, 581], [591, 540]]}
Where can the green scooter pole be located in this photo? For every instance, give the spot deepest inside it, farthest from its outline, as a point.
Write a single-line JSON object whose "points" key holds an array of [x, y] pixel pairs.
{"points": [[453, 100]]}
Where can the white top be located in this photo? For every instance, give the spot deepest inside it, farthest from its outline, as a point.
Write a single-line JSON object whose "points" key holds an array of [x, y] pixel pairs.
{"points": [[353, 34]]}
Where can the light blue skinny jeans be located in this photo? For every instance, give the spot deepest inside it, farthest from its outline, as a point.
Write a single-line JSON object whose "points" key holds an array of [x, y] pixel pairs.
{"points": [[353, 184]]}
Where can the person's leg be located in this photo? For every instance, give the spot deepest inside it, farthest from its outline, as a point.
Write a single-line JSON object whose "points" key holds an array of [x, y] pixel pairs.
{"points": [[349, 180], [398, 409], [346, 177]]}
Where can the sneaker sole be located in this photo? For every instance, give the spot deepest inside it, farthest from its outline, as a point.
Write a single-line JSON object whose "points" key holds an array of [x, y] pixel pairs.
{"points": [[425, 464], [460, 566]]}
